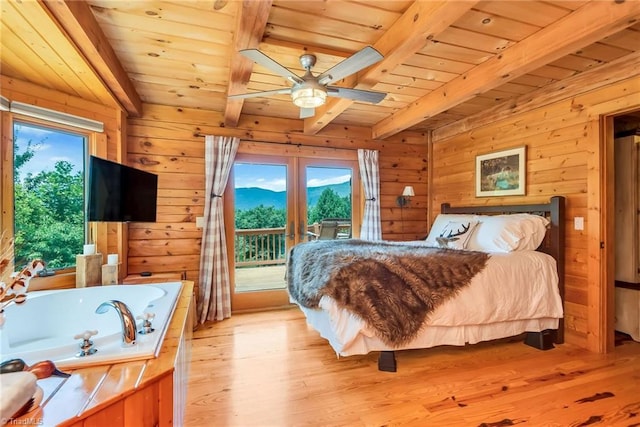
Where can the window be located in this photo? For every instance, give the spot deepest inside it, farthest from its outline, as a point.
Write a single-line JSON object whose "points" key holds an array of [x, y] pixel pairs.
{"points": [[49, 193]]}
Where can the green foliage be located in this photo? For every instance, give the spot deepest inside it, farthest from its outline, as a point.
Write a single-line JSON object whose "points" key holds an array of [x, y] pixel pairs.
{"points": [[19, 159], [260, 217], [260, 247], [49, 213], [330, 205], [267, 247]]}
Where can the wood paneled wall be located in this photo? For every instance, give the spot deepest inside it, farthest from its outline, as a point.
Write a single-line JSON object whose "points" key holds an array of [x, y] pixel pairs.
{"points": [[563, 145], [170, 142]]}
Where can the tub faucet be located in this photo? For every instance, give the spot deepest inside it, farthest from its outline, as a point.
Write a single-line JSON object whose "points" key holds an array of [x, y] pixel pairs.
{"points": [[127, 319]]}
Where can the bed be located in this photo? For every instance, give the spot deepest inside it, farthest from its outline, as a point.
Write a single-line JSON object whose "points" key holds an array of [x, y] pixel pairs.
{"points": [[370, 296]]}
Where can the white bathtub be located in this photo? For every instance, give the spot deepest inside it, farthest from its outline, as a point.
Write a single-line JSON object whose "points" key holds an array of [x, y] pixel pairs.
{"points": [[43, 328]]}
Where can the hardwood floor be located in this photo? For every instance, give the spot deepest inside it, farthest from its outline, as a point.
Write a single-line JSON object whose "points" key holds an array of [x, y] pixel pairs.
{"points": [[270, 369]]}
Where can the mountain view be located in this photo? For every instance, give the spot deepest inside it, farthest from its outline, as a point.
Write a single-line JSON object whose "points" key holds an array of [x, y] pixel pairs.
{"points": [[249, 198]]}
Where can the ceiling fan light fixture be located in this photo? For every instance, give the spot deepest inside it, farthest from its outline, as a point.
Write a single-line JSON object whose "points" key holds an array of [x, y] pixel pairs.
{"points": [[308, 91], [309, 97]]}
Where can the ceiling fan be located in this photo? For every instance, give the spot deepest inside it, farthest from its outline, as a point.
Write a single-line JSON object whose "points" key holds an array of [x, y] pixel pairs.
{"points": [[309, 91]]}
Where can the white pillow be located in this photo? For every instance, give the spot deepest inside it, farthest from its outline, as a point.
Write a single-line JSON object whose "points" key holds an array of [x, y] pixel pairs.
{"points": [[508, 233], [444, 223]]}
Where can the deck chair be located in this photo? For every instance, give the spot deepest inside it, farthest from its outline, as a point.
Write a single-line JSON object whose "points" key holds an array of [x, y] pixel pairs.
{"points": [[328, 229]]}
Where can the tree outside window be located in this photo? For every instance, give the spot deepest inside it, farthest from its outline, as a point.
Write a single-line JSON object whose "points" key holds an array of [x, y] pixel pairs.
{"points": [[49, 220]]}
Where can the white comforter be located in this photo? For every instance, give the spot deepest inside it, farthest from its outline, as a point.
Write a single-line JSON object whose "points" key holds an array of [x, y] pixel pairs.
{"points": [[516, 292]]}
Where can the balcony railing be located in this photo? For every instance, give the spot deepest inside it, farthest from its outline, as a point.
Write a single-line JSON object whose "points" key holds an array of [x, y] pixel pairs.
{"points": [[267, 246], [262, 246]]}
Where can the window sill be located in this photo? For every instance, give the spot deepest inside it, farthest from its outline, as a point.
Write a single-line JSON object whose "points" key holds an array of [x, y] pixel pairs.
{"points": [[57, 281]]}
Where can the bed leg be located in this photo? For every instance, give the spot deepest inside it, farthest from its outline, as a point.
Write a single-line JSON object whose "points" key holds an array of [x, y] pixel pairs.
{"points": [[387, 361], [542, 340]]}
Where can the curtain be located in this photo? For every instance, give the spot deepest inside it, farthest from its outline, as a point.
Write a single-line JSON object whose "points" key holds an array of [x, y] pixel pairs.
{"points": [[371, 228], [214, 302]]}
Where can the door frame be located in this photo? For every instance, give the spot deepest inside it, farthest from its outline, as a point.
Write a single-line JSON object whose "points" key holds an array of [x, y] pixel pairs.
{"points": [[606, 318], [293, 154], [606, 343], [249, 301]]}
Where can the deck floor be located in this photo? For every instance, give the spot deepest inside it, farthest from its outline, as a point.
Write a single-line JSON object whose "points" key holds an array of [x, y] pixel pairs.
{"points": [[260, 278]]}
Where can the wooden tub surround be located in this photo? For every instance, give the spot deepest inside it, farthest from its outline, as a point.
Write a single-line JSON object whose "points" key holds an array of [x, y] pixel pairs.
{"points": [[139, 393]]}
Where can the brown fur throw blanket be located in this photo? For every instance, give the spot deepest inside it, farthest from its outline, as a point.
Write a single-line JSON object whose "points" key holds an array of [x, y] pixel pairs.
{"points": [[393, 287]]}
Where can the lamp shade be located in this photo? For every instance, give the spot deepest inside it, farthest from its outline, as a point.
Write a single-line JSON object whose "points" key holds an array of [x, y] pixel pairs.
{"points": [[408, 191], [309, 97]]}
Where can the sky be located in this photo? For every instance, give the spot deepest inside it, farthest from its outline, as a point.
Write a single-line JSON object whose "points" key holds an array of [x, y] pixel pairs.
{"points": [[49, 148], [273, 177]]}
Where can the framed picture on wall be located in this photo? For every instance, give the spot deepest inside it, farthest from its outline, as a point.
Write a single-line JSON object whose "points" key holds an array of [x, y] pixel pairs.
{"points": [[501, 173]]}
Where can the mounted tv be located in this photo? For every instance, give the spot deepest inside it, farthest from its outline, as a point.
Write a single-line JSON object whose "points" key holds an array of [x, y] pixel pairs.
{"points": [[119, 193]]}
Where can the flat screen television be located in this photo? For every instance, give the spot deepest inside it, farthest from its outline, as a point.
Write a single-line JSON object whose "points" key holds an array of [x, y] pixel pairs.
{"points": [[119, 193]]}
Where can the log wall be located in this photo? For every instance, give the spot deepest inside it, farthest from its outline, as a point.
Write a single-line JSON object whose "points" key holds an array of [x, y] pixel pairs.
{"points": [[563, 131]]}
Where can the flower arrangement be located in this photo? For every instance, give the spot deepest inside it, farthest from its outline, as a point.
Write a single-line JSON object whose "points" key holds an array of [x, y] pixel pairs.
{"points": [[14, 286]]}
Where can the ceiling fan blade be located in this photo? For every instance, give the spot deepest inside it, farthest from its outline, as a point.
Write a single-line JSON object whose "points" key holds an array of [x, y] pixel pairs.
{"points": [[305, 113], [260, 58], [356, 94], [263, 93], [353, 64]]}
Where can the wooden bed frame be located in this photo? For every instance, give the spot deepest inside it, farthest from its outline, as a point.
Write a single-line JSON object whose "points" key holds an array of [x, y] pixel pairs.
{"points": [[553, 245]]}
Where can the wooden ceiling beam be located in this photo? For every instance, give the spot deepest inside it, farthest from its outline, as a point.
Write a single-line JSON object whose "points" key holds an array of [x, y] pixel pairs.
{"points": [[586, 25], [250, 27], [421, 22], [76, 19], [593, 79]]}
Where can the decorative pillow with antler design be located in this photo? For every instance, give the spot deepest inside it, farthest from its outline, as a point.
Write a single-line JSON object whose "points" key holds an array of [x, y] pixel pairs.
{"points": [[441, 222], [456, 234], [451, 231]]}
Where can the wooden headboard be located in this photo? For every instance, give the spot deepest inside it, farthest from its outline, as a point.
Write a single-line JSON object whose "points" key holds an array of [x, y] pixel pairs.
{"points": [[553, 243]]}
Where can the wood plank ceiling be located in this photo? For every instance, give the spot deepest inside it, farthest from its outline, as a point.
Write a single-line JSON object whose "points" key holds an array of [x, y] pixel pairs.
{"points": [[444, 60]]}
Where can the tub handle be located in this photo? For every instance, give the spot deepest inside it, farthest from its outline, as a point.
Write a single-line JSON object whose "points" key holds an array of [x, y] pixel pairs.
{"points": [[86, 347], [146, 318], [86, 335]]}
